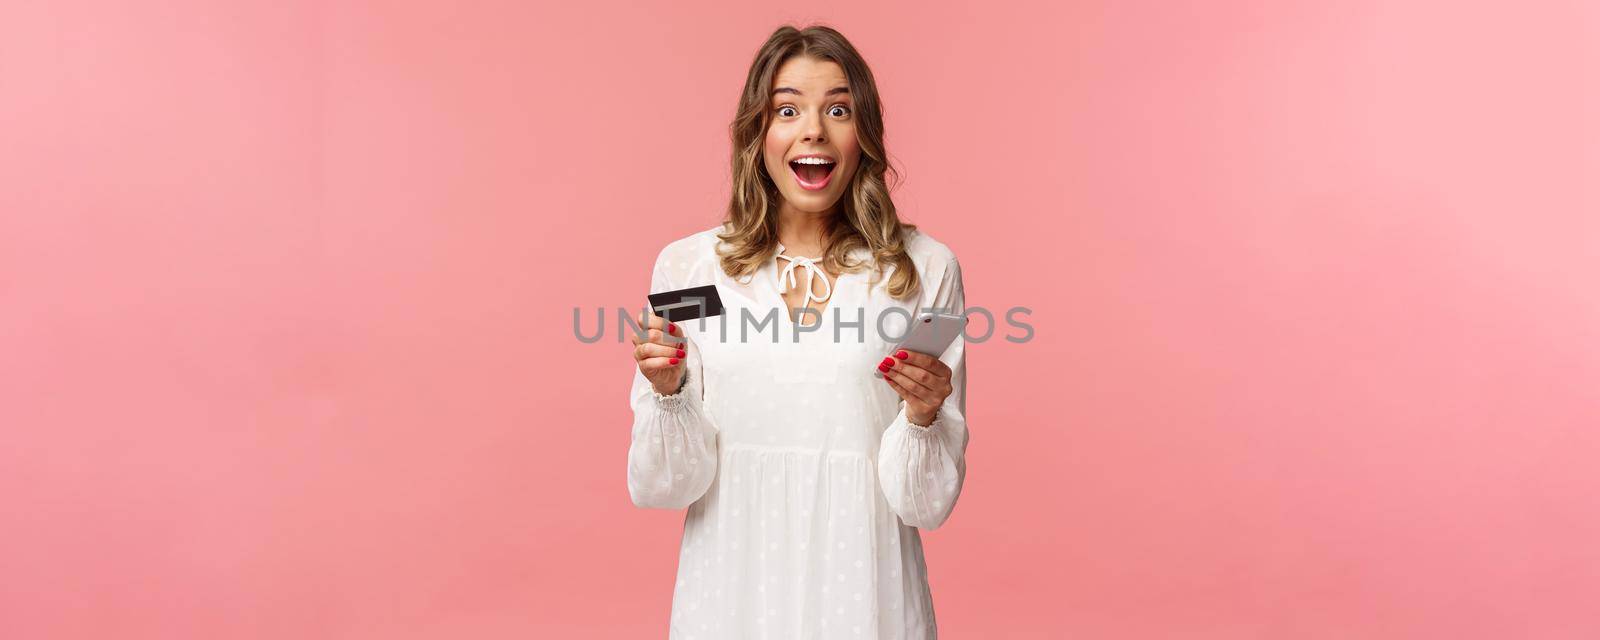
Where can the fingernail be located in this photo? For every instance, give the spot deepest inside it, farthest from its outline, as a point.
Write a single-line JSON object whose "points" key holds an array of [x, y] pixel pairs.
{"points": [[672, 327], [673, 361], [883, 368], [888, 362], [680, 353], [901, 355]]}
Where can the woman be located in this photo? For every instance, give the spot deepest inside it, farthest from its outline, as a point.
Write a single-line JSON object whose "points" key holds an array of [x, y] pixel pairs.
{"points": [[806, 477]]}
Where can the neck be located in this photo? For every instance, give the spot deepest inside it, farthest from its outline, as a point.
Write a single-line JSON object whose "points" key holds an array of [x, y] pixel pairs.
{"points": [[802, 232]]}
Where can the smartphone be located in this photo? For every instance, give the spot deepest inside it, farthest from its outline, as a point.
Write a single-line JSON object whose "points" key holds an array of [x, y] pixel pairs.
{"points": [[931, 333]]}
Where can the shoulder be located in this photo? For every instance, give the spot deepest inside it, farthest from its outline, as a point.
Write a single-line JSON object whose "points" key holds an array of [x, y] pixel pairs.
{"points": [[931, 256], [694, 245], [683, 258], [938, 269]]}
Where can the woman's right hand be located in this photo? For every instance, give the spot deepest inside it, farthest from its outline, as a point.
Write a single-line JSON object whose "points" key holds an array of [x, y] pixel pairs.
{"points": [[660, 352]]}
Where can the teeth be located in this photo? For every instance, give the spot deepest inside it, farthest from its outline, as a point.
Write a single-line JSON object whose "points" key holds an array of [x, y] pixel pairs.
{"points": [[814, 161]]}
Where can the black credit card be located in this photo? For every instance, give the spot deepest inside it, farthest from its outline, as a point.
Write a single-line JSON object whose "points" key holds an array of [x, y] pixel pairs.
{"points": [[687, 304]]}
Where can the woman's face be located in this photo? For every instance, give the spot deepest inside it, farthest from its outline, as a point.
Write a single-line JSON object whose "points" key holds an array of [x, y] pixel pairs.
{"points": [[812, 115]]}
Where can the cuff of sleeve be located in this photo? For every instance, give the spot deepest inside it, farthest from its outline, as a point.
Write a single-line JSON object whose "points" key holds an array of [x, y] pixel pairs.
{"points": [[925, 430], [675, 400]]}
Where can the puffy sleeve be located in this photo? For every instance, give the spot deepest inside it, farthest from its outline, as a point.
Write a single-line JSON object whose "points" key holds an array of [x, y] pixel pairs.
{"points": [[921, 469], [673, 455]]}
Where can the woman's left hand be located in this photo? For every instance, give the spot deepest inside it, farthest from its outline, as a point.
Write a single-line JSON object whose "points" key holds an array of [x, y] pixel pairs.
{"points": [[923, 381]]}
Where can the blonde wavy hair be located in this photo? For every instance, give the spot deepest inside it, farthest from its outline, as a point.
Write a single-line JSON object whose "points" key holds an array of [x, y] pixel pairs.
{"points": [[867, 215]]}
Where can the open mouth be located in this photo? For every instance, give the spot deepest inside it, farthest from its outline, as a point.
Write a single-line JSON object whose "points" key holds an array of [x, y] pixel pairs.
{"points": [[812, 173]]}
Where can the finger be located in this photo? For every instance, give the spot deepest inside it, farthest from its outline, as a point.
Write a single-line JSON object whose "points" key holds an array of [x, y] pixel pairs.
{"points": [[667, 338], [644, 336], [920, 359], [915, 373], [912, 400], [898, 389], [657, 336], [653, 350], [935, 383], [904, 395], [659, 364], [667, 332], [911, 386], [649, 320]]}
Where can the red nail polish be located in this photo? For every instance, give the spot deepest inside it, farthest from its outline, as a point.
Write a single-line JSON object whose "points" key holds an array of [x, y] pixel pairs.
{"points": [[673, 361], [888, 362], [672, 328], [883, 368], [680, 353], [901, 355]]}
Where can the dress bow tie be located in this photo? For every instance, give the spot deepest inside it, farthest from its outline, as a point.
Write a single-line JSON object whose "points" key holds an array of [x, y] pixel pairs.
{"points": [[812, 270]]}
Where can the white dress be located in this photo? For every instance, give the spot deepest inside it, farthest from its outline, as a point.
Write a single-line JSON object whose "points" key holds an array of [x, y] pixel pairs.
{"points": [[804, 482]]}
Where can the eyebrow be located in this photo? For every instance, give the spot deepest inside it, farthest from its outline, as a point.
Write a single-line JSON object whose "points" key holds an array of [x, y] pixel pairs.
{"points": [[797, 92]]}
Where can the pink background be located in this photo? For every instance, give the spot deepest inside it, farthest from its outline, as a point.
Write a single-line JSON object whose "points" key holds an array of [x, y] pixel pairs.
{"points": [[286, 297]]}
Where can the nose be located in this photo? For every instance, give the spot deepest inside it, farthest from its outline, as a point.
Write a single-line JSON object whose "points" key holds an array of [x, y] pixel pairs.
{"points": [[814, 131]]}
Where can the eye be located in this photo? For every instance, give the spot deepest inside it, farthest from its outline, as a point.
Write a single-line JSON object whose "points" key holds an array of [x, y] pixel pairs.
{"points": [[840, 107], [784, 108]]}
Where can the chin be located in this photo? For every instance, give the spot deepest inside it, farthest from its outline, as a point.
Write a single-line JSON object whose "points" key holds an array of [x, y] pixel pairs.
{"points": [[812, 204]]}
